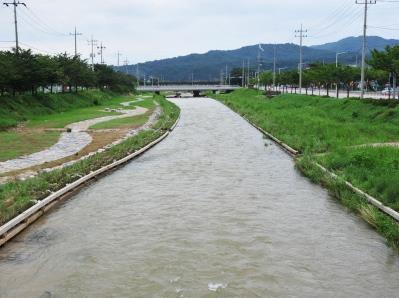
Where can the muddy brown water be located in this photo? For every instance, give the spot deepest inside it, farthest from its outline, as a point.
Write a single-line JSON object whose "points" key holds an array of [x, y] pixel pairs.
{"points": [[213, 211]]}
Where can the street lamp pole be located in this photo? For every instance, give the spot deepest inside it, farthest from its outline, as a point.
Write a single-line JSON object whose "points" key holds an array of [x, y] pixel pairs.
{"points": [[336, 65]]}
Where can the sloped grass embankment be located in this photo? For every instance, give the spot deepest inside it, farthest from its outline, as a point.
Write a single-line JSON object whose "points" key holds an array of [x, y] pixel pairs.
{"points": [[333, 132]]}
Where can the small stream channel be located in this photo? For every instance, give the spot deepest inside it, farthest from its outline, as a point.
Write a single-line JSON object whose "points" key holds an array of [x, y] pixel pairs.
{"points": [[215, 210]]}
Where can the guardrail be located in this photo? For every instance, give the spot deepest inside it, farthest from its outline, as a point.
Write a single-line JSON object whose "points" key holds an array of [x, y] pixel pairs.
{"points": [[187, 88]]}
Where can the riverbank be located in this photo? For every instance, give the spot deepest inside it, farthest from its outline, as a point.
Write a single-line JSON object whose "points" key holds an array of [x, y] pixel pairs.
{"points": [[342, 136], [15, 197], [30, 124]]}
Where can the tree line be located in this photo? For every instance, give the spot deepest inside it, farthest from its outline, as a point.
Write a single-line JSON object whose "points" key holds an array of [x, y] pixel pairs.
{"points": [[383, 70], [27, 72]]}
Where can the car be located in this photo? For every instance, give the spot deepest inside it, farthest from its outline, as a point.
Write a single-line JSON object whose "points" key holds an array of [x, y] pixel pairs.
{"points": [[387, 91]]}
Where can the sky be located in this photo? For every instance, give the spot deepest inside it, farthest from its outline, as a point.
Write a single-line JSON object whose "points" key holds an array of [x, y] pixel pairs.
{"points": [[145, 30]]}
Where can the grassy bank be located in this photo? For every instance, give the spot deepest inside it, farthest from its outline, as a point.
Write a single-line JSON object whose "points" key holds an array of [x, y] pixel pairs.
{"points": [[333, 132], [317, 124], [36, 115], [14, 110], [15, 197]]}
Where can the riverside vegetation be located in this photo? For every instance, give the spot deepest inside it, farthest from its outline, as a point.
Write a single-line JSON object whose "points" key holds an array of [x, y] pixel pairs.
{"points": [[354, 139], [31, 123], [15, 197]]}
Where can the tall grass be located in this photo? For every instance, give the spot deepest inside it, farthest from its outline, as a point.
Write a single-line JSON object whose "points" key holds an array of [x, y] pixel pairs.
{"points": [[317, 124], [330, 131], [373, 169]]}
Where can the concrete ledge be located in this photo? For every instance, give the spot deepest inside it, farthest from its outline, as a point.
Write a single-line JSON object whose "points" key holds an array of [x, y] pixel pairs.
{"points": [[373, 201], [283, 145], [12, 228], [294, 153]]}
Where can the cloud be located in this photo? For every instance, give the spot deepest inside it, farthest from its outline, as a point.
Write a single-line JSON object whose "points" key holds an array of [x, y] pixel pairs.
{"points": [[151, 29]]}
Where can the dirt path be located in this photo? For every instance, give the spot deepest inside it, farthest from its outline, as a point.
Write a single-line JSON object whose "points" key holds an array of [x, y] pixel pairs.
{"points": [[68, 144]]}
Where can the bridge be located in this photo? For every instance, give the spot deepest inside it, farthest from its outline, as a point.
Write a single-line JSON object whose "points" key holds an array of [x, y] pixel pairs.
{"points": [[195, 89]]}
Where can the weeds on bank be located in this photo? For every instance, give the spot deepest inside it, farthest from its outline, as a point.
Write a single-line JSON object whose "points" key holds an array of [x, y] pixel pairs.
{"points": [[332, 132], [383, 223]]}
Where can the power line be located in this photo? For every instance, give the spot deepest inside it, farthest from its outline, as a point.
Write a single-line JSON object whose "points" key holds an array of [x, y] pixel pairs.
{"points": [[42, 23], [28, 18], [346, 18], [301, 37], [15, 4], [340, 13]]}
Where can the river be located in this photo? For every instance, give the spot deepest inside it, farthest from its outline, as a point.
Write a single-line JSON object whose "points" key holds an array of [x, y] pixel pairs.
{"points": [[215, 210]]}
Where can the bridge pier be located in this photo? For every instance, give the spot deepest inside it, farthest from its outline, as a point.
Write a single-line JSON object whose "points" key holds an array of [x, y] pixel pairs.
{"points": [[197, 93], [158, 92]]}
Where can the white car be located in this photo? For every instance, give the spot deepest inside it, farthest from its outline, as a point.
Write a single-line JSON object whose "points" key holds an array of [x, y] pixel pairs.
{"points": [[387, 91]]}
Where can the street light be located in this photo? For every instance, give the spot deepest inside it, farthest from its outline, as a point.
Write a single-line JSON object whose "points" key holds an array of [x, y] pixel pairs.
{"points": [[336, 57], [336, 65], [281, 68]]}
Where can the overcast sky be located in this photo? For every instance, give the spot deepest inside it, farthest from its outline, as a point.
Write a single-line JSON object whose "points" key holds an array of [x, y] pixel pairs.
{"points": [[146, 30]]}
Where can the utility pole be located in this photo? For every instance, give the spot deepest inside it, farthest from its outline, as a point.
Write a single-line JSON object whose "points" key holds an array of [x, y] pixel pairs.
{"points": [[126, 63], [243, 74], [92, 43], [301, 37], [119, 54], [248, 74], [366, 4], [226, 77], [274, 66], [101, 48], [75, 34], [336, 65], [15, 4], [138, 74]]}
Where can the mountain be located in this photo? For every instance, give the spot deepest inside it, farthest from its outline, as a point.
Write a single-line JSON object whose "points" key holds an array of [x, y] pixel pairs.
{"points": [[354, 44], [209, 66]]}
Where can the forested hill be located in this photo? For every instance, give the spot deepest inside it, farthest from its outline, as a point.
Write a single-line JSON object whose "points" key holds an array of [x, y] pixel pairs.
{"points": [[209, 66]]}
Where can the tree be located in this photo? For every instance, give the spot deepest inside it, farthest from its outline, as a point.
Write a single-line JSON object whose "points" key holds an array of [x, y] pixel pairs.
{"points": [[349, 76], [266, 78], [387, 60]]}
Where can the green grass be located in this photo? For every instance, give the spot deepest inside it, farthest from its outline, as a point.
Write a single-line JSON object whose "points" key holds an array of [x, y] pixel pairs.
{"points": [[14, 144], [327, 131], [62, 119], [55, 111], [375, 170], [25, 107], [317, 124], [122, 123], [383, 223], [15, 197]]}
